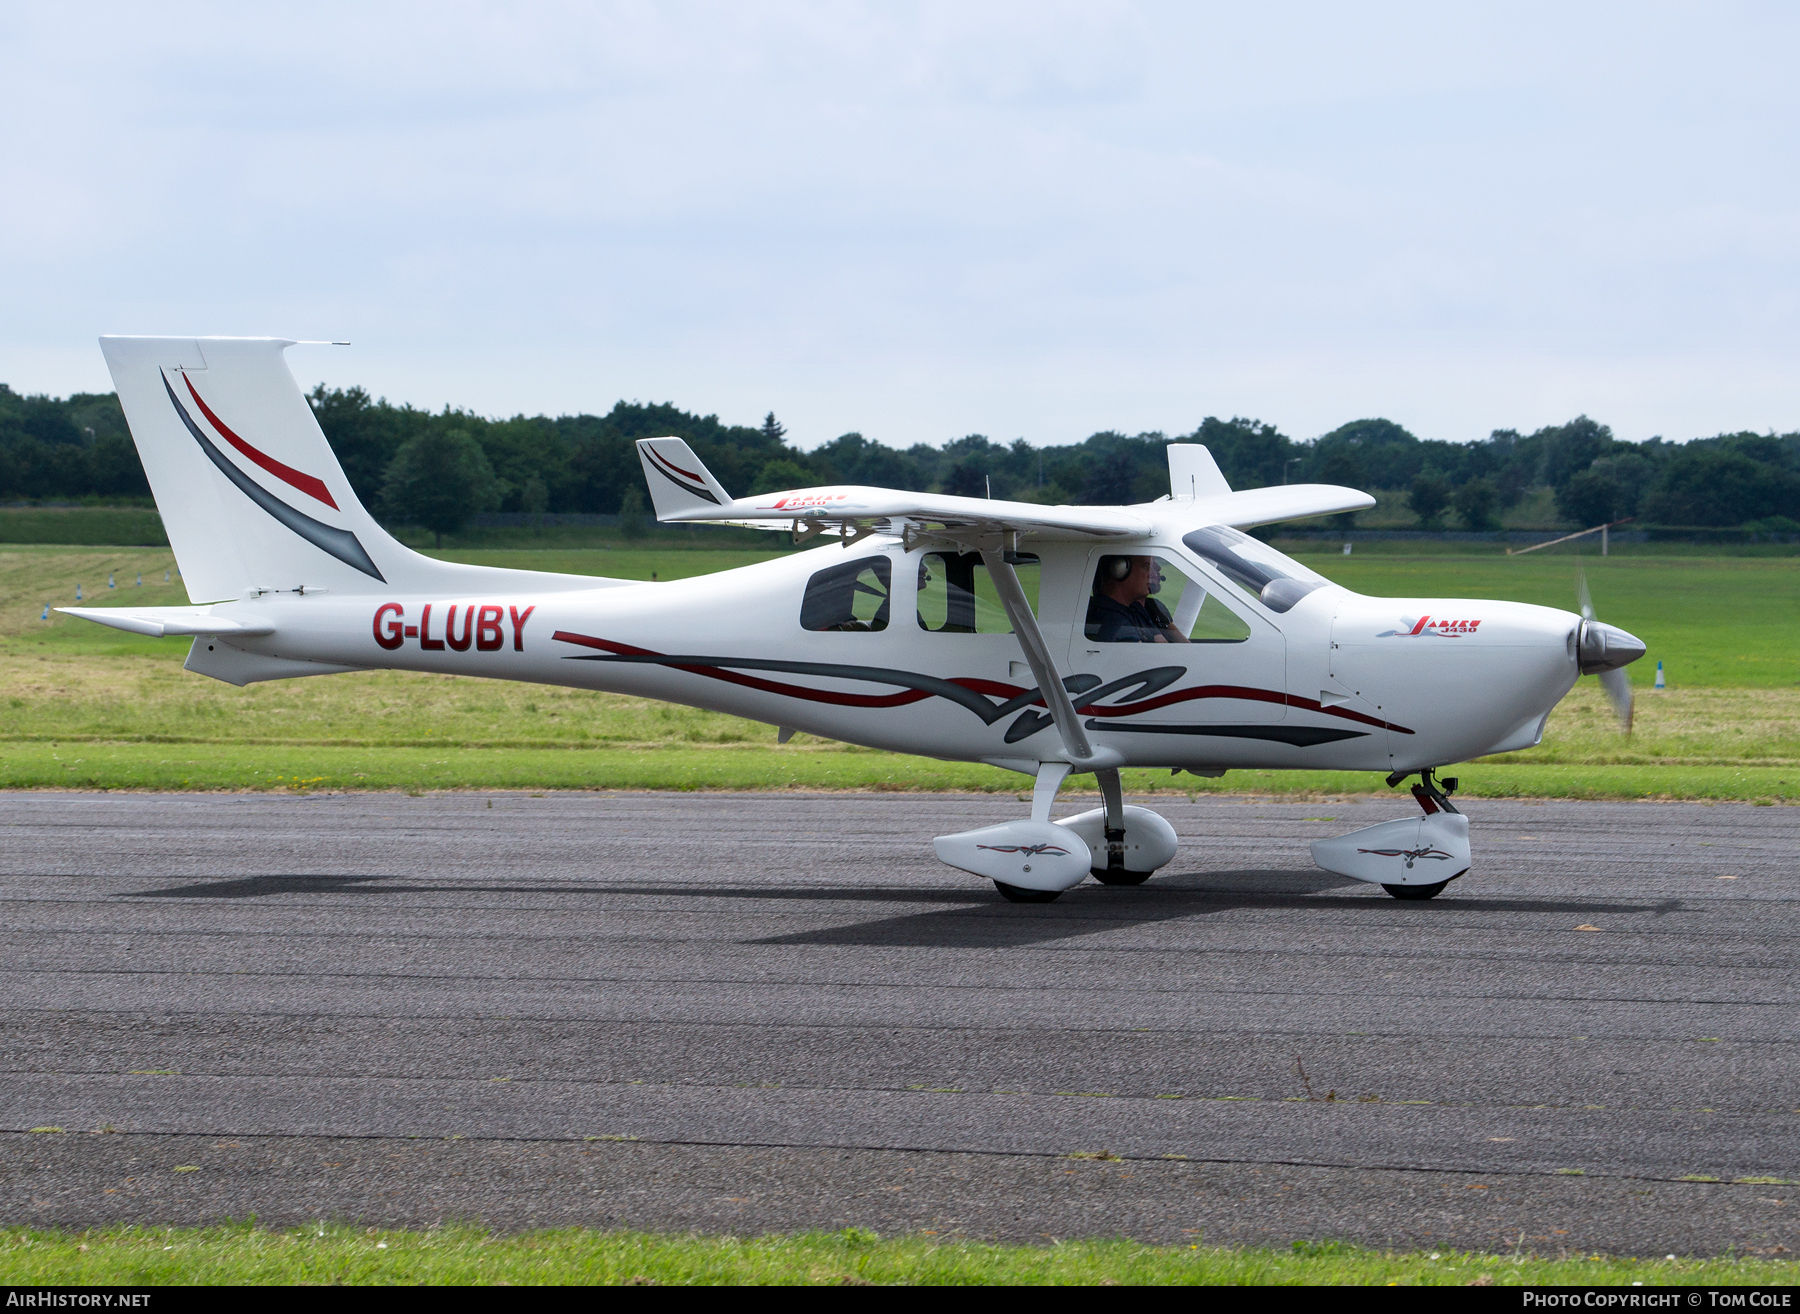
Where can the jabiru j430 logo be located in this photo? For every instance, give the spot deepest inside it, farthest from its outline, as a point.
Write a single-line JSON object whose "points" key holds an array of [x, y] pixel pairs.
{"points": [[1427, 628]]}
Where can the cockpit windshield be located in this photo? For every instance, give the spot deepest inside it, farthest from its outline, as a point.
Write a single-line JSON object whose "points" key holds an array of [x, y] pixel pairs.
{"points": [[1274, 580]]}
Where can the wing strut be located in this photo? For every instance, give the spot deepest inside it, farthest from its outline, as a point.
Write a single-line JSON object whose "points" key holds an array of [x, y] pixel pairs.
{"points": [[1037, 656]]}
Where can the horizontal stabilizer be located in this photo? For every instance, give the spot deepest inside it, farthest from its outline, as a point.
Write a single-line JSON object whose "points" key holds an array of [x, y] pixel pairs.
{"points": [[160, 621]]}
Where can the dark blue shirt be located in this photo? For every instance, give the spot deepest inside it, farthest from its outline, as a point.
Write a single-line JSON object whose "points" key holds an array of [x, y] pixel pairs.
{"points": [[1109, 621]]}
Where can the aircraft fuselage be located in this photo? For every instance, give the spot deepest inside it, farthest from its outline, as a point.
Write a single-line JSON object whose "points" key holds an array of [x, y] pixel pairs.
{"points": [[1336, 681]]}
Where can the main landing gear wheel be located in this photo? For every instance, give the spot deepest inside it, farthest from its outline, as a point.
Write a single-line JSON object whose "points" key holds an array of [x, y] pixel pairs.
{"points": [[1019, 894], [1120, 877], [1416, 891]]}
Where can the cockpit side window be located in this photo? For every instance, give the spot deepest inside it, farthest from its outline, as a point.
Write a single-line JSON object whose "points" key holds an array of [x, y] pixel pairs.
{"points": [[852, 597], [1274, 580], [1147, 598]]}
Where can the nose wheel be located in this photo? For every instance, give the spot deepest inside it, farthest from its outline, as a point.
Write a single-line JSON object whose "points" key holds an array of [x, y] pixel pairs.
{"points": [[1119, 876], [1019, 894], [1416, 891]]}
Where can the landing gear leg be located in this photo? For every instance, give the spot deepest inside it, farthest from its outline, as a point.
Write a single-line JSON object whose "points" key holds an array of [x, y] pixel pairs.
{"points": [[1112, 793], [1432, 797]]}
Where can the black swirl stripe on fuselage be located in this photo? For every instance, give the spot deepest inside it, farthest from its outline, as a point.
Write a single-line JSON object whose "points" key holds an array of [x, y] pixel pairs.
{"points": [[977, 695]]}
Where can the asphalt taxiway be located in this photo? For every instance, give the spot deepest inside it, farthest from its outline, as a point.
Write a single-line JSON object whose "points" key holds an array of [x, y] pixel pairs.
{"points": [[769, 1011]]}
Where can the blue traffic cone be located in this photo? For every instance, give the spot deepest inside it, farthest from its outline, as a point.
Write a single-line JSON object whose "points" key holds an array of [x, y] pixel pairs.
{"points": [[1659, 677], [165, 577], [140, 582], [46, 615], [109, 581], [78, 593]]}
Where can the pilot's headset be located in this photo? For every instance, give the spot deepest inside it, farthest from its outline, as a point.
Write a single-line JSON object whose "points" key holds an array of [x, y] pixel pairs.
{"points": [[1114, 569], [1111, 571]]}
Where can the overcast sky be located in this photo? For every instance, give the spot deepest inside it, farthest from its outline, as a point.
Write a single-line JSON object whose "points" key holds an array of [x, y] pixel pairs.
{"points": [[926, 220]]}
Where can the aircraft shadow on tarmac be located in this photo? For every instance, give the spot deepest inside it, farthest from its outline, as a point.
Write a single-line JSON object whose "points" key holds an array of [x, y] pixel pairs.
{"points": [[1090, 909], [973, 918], [258, 887]]}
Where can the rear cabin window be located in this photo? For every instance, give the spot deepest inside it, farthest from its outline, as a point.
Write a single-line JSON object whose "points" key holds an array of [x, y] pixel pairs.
{"points": [[956, 593], [852, 597]]}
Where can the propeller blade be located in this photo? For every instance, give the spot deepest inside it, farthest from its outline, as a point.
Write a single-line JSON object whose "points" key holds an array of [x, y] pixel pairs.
{"points": [[1618, 692], [1581, 592], [1616, 683]]}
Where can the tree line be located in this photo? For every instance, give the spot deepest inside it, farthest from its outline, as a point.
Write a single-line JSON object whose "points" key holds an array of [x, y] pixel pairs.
{"points": [[435, 468]]}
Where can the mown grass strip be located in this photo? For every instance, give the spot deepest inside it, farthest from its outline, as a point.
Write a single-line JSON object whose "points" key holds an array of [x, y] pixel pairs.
{"points": [[345, 1255], [301, 768]]}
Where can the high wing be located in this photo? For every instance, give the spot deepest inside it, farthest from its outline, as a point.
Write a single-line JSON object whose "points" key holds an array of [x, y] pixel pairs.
{"points": [[1267, 506], [683, 490]]}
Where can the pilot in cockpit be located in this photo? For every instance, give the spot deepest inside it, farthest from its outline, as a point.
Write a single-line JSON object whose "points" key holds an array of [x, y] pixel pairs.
{"points": [[1124, 608]]}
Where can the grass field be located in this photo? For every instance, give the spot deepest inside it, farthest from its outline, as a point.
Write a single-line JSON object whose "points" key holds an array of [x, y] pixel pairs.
{"points": [[337, 1255], [89, 706]]}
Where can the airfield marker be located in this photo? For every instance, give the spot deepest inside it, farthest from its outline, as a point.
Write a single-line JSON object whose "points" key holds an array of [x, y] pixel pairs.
{"points": [[1659, 677], [109, 581]]}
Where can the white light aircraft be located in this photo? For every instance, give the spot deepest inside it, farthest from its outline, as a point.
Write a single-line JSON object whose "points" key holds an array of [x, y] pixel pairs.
{"points": [[1048, 640]]}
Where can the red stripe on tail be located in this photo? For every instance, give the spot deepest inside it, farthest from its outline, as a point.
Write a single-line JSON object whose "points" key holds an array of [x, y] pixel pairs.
{"points": [[313, 488]]}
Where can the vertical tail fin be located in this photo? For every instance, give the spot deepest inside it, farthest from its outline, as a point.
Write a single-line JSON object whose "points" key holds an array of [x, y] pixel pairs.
{"points": [[1193, 473], [678, 482], [250, 492]]}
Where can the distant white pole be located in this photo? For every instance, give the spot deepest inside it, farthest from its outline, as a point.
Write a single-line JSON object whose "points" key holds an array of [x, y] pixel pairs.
{"points": [[1605, 537]]}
